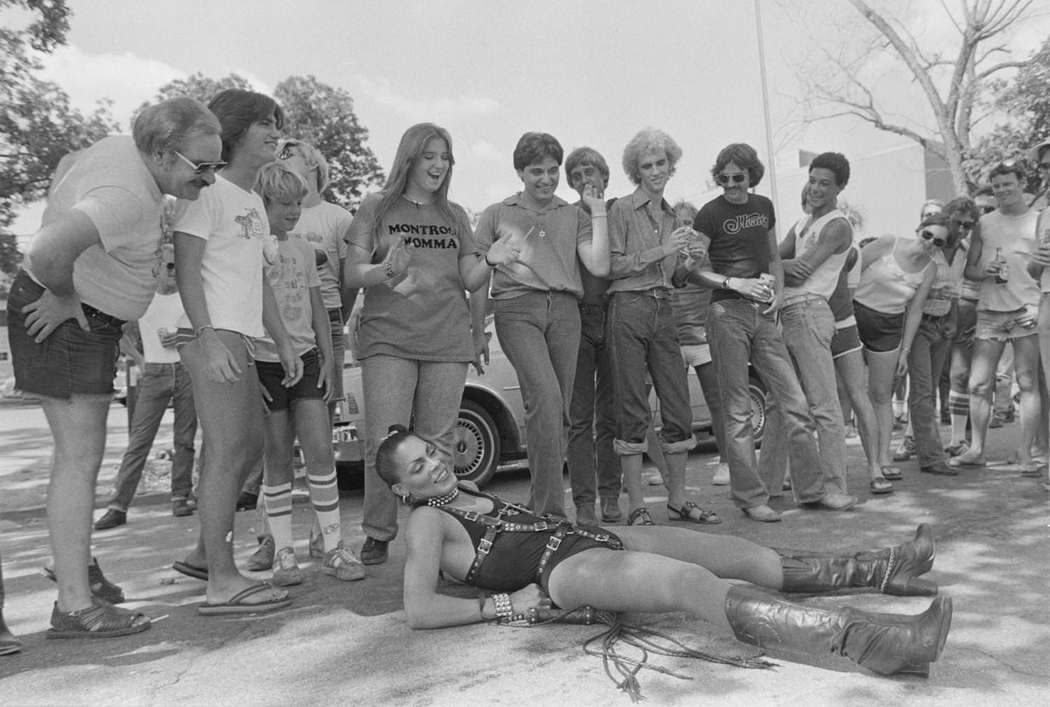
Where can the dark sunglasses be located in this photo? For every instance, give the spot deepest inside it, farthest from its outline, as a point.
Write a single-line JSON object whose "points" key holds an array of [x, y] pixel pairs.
{"points": [[937, 241], [987, 209], [734, 178], [966, 224], [200, 167]]}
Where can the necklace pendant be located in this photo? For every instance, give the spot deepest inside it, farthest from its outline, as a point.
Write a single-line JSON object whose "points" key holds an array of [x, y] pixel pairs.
{"points": [[543, 234]]}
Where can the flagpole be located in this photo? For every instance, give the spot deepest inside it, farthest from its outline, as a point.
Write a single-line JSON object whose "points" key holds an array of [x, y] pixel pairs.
{"points": [[771, 170]]}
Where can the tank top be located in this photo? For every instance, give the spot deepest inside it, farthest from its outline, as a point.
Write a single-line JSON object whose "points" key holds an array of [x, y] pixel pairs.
{"points": [[885, 287], [823, 280]]}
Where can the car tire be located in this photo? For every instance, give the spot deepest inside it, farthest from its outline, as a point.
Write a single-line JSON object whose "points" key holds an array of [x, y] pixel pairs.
{"points": [[475, 444], [756, 391]]}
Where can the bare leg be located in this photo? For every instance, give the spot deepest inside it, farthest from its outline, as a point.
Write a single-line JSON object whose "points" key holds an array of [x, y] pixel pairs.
{"points": [[1026, 368], [78, 426], [986, 353], [854, 380], [881, 368], [631, 465]]}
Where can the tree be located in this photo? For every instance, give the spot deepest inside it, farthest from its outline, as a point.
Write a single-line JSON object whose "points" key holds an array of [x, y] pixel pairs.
{"points": [[315, 113], [324, 117], [37, 124], [1024, 105], [954, 84]]}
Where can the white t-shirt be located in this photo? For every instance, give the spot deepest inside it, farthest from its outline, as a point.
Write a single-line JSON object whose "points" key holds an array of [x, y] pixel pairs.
{"points": [[325, 227], [164, 312], [110, 184], [1014, 238], [291, 276], [233, 222]]}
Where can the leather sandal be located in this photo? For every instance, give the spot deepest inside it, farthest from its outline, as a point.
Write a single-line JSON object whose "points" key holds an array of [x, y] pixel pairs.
{"points": [[692, 513], [640, 516], [100, 620], [892, 473]]}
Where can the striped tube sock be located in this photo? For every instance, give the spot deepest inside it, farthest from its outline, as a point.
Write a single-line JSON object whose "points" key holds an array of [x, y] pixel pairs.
{"points": [[278, 501], [959, 403], [324, 495]]}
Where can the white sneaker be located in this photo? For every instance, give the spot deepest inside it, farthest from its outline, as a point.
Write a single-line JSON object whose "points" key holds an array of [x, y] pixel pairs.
{"points": [[721, 475]]}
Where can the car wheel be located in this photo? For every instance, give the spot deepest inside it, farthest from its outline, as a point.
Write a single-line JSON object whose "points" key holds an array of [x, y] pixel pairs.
{"points": [[756, 391], [475, 444]]}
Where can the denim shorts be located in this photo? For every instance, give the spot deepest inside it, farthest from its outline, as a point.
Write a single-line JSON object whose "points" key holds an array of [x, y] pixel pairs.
{"points": [[70, 360], [272, 373], [1001, 326], [880, 332]]}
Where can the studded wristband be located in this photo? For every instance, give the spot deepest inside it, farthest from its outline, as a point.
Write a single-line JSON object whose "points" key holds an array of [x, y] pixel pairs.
{"points": [[504, 607]]}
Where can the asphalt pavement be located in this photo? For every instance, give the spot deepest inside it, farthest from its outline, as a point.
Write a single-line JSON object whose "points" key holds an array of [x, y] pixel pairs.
{"points": [[348, 642]]}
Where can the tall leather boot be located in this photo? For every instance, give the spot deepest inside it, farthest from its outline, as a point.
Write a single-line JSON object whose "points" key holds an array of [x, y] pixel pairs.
{"points": [[894, 570], [8, 643], [883, 643]]}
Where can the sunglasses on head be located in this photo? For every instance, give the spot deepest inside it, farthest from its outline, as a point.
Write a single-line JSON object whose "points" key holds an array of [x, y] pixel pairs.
{"points": [[937, 240], [287, 152], [734, 178], [200, 167]]}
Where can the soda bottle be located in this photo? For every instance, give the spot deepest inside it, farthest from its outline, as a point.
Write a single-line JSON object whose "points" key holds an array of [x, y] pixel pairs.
{"points": [[1002, 272]]}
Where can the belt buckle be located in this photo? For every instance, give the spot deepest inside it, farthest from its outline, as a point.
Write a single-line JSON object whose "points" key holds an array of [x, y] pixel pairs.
{"points": [[553, 543], [484, 546]]}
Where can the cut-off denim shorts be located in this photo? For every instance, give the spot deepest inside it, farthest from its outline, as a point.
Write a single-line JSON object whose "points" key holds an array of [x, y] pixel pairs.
{"points": [[70, 360]]}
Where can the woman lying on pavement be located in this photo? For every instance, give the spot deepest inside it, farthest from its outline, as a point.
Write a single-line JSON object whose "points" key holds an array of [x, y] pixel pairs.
{"points": [[534, 563]]}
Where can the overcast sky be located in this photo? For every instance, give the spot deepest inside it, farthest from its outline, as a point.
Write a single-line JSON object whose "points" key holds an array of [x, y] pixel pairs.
{"points": [[590, 73]]}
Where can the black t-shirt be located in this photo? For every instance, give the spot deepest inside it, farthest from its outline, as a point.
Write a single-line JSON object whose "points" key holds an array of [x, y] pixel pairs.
{"points": [[739, 236]]}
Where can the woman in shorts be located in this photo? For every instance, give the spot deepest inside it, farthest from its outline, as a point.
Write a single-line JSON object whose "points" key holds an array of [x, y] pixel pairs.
{"points": [[896, 275]]}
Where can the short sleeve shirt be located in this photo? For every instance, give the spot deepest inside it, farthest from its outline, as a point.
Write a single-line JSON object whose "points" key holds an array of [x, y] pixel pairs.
{"points": [[548, 258], [422, 315], [325, 226], [233, 222], [110, 184], [291, 276], [739, 236]]}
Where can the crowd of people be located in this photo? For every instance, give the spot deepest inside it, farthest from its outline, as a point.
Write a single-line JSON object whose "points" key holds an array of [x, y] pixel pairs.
{"points": [[241, 290]]}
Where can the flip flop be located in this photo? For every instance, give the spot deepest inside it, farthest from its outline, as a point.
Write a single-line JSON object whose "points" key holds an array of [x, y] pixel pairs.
{"points": [[880, 484], [963, 460], [692, 513], [190, 570], [236, 605], [892, 473]]}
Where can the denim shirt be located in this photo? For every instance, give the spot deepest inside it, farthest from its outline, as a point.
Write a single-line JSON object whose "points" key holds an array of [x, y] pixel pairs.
{"points": [[636, 258]]}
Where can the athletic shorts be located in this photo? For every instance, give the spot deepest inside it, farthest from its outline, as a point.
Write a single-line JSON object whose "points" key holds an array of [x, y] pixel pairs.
{"points": [[696, 354], [70, 361], [845, 340], [878, 332], [271, 374]]}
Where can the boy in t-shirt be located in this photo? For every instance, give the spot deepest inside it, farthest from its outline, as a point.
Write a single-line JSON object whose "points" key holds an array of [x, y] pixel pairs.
{"points": [[301, 410]]}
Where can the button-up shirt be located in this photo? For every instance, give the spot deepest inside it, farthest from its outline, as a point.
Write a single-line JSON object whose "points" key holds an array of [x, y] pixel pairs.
{"points": [[638, 228]]}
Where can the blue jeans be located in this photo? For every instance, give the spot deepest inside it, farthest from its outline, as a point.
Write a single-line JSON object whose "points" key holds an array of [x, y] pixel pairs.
{"points": [[540, 334], [808, 327], [929, 351], [422, 394], [642, 336], [592, 414], [740, 332], [160, 383]]}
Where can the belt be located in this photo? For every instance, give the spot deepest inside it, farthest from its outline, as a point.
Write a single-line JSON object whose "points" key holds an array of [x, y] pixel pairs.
{"points": [[654, 292], [102, 316], [809, 296]]}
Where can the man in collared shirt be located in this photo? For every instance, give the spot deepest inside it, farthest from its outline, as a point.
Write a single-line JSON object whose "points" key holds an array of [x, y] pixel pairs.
{"points": [[645, 250], [535, 301]]}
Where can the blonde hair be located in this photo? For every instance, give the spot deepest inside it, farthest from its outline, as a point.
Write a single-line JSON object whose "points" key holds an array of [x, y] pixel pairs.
{"points": [[278, 183]]}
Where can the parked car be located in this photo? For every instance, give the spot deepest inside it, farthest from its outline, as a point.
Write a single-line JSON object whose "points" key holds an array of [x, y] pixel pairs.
{"points": [[490, 431]]}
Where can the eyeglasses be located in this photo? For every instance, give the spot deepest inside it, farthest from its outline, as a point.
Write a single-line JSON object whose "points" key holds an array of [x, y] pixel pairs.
{"points": [[966, 225], [734, 178], [928, 236], [200, 167]]}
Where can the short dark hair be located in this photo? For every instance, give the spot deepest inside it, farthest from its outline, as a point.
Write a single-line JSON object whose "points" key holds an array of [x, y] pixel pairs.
{"points": [[962, 204], [535, 147], [834, 162], [237, 109], [386, 466], [1015, 167], [743, 156], [589, 157]]}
